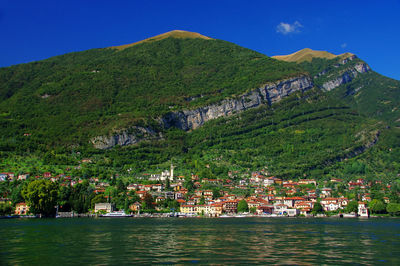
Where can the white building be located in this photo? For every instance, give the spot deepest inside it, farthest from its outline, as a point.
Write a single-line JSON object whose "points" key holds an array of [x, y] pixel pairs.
{"points": [[107, 207], [164, 175], [362, 210]]}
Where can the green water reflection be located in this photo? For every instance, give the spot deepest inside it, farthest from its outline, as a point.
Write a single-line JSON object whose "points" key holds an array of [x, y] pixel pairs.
{"points": [[213, 241]]}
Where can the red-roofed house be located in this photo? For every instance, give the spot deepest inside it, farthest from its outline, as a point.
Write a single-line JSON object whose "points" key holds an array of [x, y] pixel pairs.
{"points": [[21, 208], [47, 175]]}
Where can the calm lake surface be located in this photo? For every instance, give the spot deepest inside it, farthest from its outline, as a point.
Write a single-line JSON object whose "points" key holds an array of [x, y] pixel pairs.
{"points": [[111, 241]]}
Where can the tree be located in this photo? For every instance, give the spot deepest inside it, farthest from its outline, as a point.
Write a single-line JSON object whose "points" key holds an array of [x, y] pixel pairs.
{"points": [[16, 194], [317, 208], [352, 206], [133, 197], [394, 197], [202, 200], [81, 196], [393, 208], [173, 205], [189, 185], [120, 186], [148, 201], [216, 193], [64, 194], [243, 206], [97, 199], [126, 206], [5, 209], [110, 192], [377, 206], [41, 197]]}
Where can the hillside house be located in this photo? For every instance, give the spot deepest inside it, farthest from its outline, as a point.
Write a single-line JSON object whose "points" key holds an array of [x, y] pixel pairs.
{"points": [[326, 192], [230, 206], [362, 210], [23, 177], [269, 181], [135, 207], [21, 208], [3, 177], [132, 187], [47, 175], [106, 207], [307, 182]]}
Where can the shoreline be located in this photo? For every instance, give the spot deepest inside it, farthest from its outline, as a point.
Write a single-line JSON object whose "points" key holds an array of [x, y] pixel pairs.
{"points": [[184, 216]]}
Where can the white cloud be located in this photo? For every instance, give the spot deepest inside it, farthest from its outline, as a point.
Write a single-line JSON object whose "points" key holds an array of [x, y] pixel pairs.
{"points": [[343, 45], [286, 28]]}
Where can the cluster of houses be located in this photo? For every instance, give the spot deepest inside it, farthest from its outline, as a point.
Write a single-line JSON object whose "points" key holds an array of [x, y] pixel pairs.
{"points": [[264, 200], [269, 195], [63, 179]]}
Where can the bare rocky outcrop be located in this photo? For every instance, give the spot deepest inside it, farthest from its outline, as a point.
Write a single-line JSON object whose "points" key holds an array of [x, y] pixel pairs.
{"points": [[358, 150], [347, 59], [192, 119], [346, 76], [125, 137], [267, 94]]}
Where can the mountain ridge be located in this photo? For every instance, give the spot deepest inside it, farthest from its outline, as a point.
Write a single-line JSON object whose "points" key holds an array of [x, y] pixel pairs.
{"points": [[308, 54], [179, 34], [201, 102]]}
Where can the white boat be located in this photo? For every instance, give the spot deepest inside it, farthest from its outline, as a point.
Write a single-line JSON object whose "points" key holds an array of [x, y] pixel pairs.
{"points": [[348, 215], [117, 214]]}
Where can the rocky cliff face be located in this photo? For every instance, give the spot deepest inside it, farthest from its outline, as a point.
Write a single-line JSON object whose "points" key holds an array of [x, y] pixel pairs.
{"points": [[267, 94], [192, 119], [345, 76], [358, 150], [125, 137]]}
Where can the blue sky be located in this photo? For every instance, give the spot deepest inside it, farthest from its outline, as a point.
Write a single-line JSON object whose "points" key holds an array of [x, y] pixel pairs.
{"points": [[34, 30]]}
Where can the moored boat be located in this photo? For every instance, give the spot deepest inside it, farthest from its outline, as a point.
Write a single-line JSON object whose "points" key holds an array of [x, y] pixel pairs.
{"points": [[117, 214]]}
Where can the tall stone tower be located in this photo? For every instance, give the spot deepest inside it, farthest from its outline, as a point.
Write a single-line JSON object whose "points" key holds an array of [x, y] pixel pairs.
{"points": [[171, 174]]}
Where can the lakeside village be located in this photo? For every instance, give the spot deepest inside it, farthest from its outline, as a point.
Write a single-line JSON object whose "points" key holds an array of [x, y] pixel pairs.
{"points": [[163, 195]]}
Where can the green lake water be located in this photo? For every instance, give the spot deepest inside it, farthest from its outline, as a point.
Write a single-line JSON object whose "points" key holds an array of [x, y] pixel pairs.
{"points": [[240, 241]]}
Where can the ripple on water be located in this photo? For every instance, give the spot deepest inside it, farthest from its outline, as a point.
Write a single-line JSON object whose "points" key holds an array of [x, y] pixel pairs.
{"points": [[200, 241]]}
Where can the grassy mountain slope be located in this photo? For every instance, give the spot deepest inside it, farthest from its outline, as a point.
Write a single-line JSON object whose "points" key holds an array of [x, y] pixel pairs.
{"points": [[371, 93], [306, 134], [178, 34], [69, 98], [63, 101], [307, 55]]}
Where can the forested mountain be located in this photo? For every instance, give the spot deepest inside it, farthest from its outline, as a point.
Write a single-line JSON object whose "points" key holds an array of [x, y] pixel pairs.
{"points": [[209, 105]]}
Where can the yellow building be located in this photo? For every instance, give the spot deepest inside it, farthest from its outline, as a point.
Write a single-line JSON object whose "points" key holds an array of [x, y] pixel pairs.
{"points": [[213, 210], [21, 208], [216, 209]]}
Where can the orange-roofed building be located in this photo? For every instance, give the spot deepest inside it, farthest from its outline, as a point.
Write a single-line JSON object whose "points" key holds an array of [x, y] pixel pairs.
{"points": [[21, 208]]}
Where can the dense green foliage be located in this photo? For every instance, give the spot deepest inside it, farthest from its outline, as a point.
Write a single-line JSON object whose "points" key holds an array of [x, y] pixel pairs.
{"points": [[69, 98], [352, 206], [373, 94], [308, 136], [5, 209], [61, 102], [317, 208], [303, 135], [393, 208], [42, 196], [377, 206], [242, 206]]}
